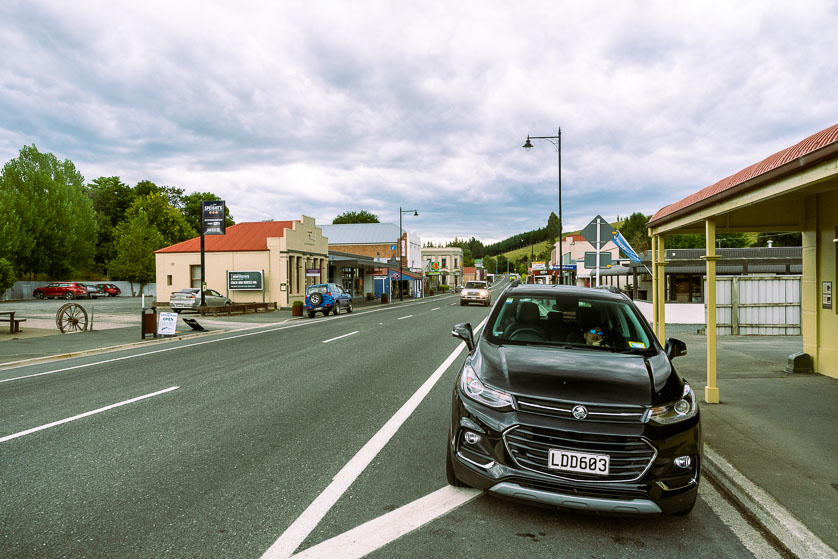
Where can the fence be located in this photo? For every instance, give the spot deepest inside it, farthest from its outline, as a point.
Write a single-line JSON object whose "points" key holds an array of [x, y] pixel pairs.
{"points": [[758, 305], [23, 289]]}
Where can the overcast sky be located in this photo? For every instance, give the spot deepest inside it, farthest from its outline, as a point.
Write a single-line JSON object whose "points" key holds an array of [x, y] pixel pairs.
{"points": [[290, 108]]}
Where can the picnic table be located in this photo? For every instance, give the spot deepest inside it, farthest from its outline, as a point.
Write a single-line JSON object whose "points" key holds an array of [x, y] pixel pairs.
{"points": [[14, 323]]}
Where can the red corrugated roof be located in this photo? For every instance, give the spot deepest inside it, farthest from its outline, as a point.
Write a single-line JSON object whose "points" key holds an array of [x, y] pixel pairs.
{"points": [[798, 150], [238, 238]]}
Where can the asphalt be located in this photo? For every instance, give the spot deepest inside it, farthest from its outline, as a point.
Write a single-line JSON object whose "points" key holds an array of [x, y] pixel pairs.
{"points": [[770, 445]]}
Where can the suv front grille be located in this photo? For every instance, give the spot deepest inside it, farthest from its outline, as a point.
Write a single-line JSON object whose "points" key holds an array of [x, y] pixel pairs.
{"points": [[611, 413], [630, 456]]}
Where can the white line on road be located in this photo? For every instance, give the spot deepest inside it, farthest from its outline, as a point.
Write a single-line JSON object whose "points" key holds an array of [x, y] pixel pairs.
{"points": [[86, 414], [299, 530], [380, 531], [402, 318], [436, 308], [339, 337]]}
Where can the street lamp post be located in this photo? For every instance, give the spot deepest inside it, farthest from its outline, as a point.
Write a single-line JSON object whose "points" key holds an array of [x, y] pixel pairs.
{"points": [[401, 234], [556, 141]]}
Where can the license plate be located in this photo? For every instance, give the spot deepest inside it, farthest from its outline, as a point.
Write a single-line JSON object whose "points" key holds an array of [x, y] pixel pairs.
{"points": [[317, 309], [579, 462]]}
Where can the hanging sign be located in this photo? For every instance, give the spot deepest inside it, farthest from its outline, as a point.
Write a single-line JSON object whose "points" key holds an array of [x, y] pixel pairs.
{"points": [[212, 218]]}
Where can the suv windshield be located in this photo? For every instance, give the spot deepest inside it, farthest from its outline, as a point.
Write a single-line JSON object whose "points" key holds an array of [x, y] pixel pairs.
{"points": [[317, 289], [568, 320], [475, 285]]}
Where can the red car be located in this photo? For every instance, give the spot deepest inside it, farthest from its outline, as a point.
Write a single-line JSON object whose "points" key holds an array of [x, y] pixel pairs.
{"points": [[65, 289], [110, 289]]}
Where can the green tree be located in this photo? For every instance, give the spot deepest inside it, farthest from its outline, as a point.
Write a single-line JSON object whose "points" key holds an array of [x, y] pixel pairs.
{"points": [[111, 198], [490, 264], [552, 228], [362, 216], [136, 239], [54, 225], [635, 232], [780, 239], [7, 275], [168, 221]]}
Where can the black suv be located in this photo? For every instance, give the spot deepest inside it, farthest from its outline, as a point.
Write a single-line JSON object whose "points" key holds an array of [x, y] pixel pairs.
{"points": [[567, 399]]}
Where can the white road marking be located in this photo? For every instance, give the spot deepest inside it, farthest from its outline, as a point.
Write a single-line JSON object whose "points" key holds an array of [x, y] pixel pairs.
{"points": [[771, 514], [436, 308], [731, 517], [380, 531], [402, 318], [299, 530], [339, 337], [86, 414]]}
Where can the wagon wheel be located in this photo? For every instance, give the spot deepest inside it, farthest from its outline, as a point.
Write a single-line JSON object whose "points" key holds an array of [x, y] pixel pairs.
{"points": [[71, 318]]}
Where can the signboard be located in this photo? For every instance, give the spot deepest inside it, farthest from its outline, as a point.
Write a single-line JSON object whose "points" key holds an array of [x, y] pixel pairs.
{"points": [[312, 272], [478, 263], [244, 281], [433, 269], [604, 260], [826, 294], [166, 323], [606, 232], [212, 218], [539, 266]]}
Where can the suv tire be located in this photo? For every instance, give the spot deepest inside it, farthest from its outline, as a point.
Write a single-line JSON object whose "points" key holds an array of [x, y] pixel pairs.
{"points": [[336, 309], [315, 299]]}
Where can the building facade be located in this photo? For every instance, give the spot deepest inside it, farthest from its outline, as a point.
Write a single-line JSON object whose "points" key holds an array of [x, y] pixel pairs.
{"points": [[443, 265]]}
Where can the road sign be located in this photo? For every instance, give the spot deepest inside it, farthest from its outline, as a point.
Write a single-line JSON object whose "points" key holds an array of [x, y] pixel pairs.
{"points": [[606, 232], [604, 260], [244, 281]]}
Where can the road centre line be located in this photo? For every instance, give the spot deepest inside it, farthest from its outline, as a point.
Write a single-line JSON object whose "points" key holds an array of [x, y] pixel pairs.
{"points": [[85, 414], [436, 308], [380, 531], [339, 337], [408, 316], [300, 529]]}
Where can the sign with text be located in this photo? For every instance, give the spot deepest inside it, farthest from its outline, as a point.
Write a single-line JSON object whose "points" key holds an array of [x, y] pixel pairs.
{"points": [[166, 323], [313, 272], [478, 263], [539, 266], [433, 269], [212, 218], [244, 281]]}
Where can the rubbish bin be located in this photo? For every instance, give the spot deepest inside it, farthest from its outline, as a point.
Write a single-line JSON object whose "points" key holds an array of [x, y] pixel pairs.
{"points": [[148, 322]]}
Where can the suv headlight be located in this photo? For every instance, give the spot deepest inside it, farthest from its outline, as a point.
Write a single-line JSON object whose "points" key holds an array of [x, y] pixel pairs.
{"points": [[479, 392], [679, 410]]}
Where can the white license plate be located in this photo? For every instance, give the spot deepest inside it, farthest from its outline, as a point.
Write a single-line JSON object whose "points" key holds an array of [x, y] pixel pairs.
{"points": [[317, 309], [580, 462]]}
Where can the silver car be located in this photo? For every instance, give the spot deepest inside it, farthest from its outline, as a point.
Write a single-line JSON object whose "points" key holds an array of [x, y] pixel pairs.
{"points": [[189, 299], [475, 292]]}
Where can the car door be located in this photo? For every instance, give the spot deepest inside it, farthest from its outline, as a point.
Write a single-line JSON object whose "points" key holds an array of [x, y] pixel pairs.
{"points": [[340, 295], [213, 298]]}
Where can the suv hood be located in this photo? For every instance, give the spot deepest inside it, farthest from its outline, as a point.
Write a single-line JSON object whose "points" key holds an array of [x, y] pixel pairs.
{"points": [[573, 374]]}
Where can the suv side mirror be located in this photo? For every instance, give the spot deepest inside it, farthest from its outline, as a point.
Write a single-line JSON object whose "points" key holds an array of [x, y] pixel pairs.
{"points": [[675, 348], [465, 332]]}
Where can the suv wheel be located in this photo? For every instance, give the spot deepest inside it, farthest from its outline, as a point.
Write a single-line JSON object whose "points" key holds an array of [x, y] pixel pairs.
{"points": [[311, 314], [336, 310], [40, 295], [449, 469], [315, 299], [349, 308], [69, 295]]}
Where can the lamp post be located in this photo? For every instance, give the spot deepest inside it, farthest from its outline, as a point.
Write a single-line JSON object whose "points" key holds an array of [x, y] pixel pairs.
{"points": [[401, 285], [556, 141]]}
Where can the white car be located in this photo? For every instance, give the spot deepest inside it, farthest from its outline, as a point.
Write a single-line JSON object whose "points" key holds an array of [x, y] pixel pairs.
{"points": [[475, 292], [189, 299]]}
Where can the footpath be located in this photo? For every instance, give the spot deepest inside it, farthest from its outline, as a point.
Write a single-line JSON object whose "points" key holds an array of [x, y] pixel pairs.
{"points": [[770, 444]]}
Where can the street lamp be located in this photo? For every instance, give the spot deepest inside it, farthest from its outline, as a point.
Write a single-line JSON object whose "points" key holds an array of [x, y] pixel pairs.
{"points": [[401, 284], [556, 141]]}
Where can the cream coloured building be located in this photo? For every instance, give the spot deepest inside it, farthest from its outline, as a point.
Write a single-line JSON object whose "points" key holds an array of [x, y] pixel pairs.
{"points": [[289, 254]]}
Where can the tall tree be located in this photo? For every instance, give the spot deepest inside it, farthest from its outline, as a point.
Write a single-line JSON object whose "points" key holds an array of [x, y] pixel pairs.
{"points": [[362, 216], [136, 240], [55, 229], [111, 198], [635, 232], [168, 221], [780, 239], [552, 228]]}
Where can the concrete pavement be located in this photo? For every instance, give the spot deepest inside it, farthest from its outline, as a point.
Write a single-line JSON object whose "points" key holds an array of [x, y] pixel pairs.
{"points": [[770, 443]]}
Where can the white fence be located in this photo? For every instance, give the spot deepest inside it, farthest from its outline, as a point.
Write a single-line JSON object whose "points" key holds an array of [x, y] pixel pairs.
{"points": [[757, 305]]}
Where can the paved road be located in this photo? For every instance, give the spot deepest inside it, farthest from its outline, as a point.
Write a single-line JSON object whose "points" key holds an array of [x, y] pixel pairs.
{"points": [[271, 440]]}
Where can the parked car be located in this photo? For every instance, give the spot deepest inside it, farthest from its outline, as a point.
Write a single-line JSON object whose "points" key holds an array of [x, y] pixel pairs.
{"points": [[93, 290], [567, 399], [110, 289], [327, 297], [189, 299], [458, 288], [62, 289], [475, 292]]}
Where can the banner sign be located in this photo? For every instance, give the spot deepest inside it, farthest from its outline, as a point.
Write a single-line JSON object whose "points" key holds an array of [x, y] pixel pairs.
{"points": [[212, 218], [478, 263], [244, 281], [433, 269], [625, 247], [539, 266], [313, 272], [166, 323]]}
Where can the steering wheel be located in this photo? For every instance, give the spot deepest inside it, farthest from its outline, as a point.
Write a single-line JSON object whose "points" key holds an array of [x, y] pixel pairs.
{"points": [[537, 333]]}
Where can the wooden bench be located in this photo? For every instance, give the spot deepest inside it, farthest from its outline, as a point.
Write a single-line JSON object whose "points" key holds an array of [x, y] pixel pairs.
{"points": [[14, 323]]}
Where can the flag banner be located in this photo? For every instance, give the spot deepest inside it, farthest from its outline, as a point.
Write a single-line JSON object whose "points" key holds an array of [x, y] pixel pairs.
{"points": [[625, 247]]}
